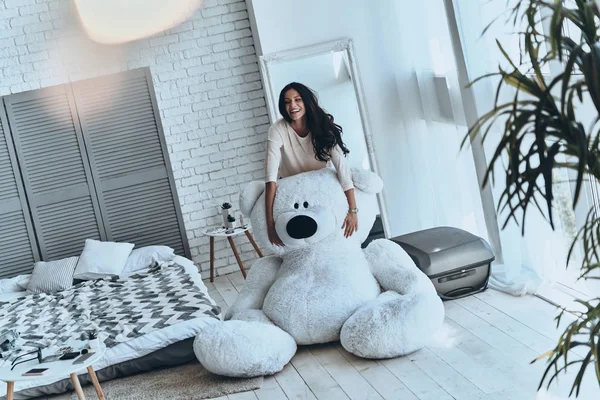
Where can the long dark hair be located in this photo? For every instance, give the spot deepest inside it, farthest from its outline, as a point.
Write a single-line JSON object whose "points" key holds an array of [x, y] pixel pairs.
{"points": [[326, 134]]}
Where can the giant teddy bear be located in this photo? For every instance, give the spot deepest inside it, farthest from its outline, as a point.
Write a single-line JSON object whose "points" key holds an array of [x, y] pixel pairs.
{"points": [[320, 287]]}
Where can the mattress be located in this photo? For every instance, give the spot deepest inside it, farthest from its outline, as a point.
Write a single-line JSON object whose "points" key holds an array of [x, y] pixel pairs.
{"points": [[177, 353], [123, 354]]}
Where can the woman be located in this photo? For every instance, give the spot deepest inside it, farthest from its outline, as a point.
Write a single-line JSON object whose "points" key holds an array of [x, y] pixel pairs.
{"points": [[305, 139]]}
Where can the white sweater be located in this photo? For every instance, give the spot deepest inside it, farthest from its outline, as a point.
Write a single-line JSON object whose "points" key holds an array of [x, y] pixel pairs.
{"points": [[290, 154]]}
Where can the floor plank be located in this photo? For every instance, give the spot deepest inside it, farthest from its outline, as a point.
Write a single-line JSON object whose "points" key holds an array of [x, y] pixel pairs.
{"points": [[216, 296], [382, 380], [533, 312], [270, 390], [351, 381], [417, 381], [529, 310], [446, 376], [513, 394], [535, 307], [483, 369], [242, 396], [490, 334], [506, 323], [237, 280], [209, 285], [226, 289], [316, 377], [293, 385]]}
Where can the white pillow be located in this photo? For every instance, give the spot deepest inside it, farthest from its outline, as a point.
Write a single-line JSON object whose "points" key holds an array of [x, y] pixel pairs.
{"points": [[143, 257], [102, 259], [16, 284], [52, 276]]}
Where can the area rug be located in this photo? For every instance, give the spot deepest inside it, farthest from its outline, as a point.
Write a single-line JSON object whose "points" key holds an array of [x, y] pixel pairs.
{"points": [[186, 382]]}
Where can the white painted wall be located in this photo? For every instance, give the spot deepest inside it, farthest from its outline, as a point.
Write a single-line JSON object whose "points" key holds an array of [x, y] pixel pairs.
{"points": [[284, 24], [208, 87]]}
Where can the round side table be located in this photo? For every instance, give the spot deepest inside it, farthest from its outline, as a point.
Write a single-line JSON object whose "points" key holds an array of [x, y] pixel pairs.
{"points": [[57, 370], [229, 233]]}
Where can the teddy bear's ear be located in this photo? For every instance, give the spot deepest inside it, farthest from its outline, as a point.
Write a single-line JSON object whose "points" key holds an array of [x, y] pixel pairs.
{"points": [[367, 181], [249, 195]]}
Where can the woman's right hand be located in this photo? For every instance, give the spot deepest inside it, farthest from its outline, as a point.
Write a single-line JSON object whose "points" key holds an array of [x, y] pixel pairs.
{"points": [[273, 236]]}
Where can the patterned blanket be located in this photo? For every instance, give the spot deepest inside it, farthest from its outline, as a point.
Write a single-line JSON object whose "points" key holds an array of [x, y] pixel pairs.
{"points": [[118, 309]]}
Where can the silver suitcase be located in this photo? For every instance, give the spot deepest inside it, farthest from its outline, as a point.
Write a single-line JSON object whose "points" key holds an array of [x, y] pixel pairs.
{"points": [[457, 262]]}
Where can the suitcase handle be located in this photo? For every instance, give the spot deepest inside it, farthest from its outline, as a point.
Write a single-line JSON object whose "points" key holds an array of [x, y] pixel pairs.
{"points": [[463, 291]]}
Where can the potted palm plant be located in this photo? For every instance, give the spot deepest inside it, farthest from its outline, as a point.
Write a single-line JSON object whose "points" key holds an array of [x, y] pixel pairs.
{"points": [[541, 131]]}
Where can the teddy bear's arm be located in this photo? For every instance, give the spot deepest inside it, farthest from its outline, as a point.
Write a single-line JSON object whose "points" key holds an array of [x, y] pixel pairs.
{"points": [[394, 269], [259, 280]]}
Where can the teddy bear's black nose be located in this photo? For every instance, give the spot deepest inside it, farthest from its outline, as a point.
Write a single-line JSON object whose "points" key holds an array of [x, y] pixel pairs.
{"points": [[301, 227]]}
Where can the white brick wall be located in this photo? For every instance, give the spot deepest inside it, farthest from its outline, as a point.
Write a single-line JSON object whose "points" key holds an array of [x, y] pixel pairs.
{"points": [[208, 87]]}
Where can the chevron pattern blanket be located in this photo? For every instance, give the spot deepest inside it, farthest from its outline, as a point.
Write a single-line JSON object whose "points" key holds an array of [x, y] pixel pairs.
{"points": [[119, 309]]}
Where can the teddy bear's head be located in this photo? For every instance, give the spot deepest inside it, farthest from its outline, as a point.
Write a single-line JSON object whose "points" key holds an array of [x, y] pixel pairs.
{"points": [[310, 207]]}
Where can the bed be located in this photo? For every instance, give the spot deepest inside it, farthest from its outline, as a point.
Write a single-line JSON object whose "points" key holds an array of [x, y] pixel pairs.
{"points": [[146, 320]]}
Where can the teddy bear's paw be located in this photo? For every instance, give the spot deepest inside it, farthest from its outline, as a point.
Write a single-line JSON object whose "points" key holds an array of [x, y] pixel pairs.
{"points": [[392, 325], [243, 349]]}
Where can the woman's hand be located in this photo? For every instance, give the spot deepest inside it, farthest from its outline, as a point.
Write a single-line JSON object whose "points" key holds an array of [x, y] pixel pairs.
{"points": [[272, 233], [350, 224]]}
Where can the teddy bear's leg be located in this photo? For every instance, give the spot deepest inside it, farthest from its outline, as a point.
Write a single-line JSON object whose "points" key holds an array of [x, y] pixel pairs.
{"points": [[248, 344], [257, 284], [401, 320], [246, 347]]}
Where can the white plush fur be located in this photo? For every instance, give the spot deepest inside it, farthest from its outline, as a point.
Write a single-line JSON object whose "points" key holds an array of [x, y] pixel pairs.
{"points": [[321, 287], [244, 348]]}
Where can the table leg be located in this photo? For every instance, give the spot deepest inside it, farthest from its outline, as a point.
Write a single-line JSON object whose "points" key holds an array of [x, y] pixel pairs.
{"points": [[92, 374], [77, 386], [10, 390], [212, 258], [237, 256], [251, 239]]}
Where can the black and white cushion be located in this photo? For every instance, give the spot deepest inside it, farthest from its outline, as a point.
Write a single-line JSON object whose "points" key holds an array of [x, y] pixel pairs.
{"points": [[52, 276]]}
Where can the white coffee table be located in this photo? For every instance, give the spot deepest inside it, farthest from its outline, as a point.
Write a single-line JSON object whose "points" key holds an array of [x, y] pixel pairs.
{"points": [[57, 370]]}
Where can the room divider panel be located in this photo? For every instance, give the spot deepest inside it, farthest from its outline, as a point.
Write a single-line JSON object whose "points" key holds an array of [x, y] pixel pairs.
{"points": [[93, 163], [129, 160], [18, 248], [56, 174]]}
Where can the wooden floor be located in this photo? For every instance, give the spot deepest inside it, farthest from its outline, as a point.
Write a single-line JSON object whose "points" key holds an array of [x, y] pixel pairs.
{"points": [[483, 352]]}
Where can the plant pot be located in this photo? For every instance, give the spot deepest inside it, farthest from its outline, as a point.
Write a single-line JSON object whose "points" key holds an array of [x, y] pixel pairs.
{"points": [[225, 214]]}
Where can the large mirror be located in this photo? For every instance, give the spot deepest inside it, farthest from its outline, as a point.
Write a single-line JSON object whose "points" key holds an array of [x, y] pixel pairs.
{"points": [[329, 69]]}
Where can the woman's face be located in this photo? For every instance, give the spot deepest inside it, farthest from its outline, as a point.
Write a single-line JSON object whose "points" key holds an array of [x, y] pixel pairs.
{"points": [[294, 105]]}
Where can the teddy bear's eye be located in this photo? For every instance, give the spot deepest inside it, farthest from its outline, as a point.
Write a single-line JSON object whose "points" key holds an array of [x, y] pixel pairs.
{"points": [[296, 206], [305, 204]]}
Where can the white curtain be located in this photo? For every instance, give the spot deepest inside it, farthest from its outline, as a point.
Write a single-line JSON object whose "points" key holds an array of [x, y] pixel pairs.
{"points": [[538, 258], [435, 110], [443, 186]]}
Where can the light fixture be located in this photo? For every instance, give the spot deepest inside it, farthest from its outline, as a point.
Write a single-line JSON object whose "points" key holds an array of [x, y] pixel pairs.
{"points": [[120, 21]]}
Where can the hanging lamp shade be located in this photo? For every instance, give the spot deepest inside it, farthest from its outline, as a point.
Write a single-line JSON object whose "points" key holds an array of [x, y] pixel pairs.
{"points": [[120, 21]]}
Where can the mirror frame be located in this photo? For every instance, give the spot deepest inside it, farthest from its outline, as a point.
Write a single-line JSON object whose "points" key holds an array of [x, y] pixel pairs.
{"points": [[347, 45]]}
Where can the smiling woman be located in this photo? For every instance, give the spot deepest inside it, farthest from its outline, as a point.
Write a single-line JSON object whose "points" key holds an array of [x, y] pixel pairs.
{"points": [[305, 139]]}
